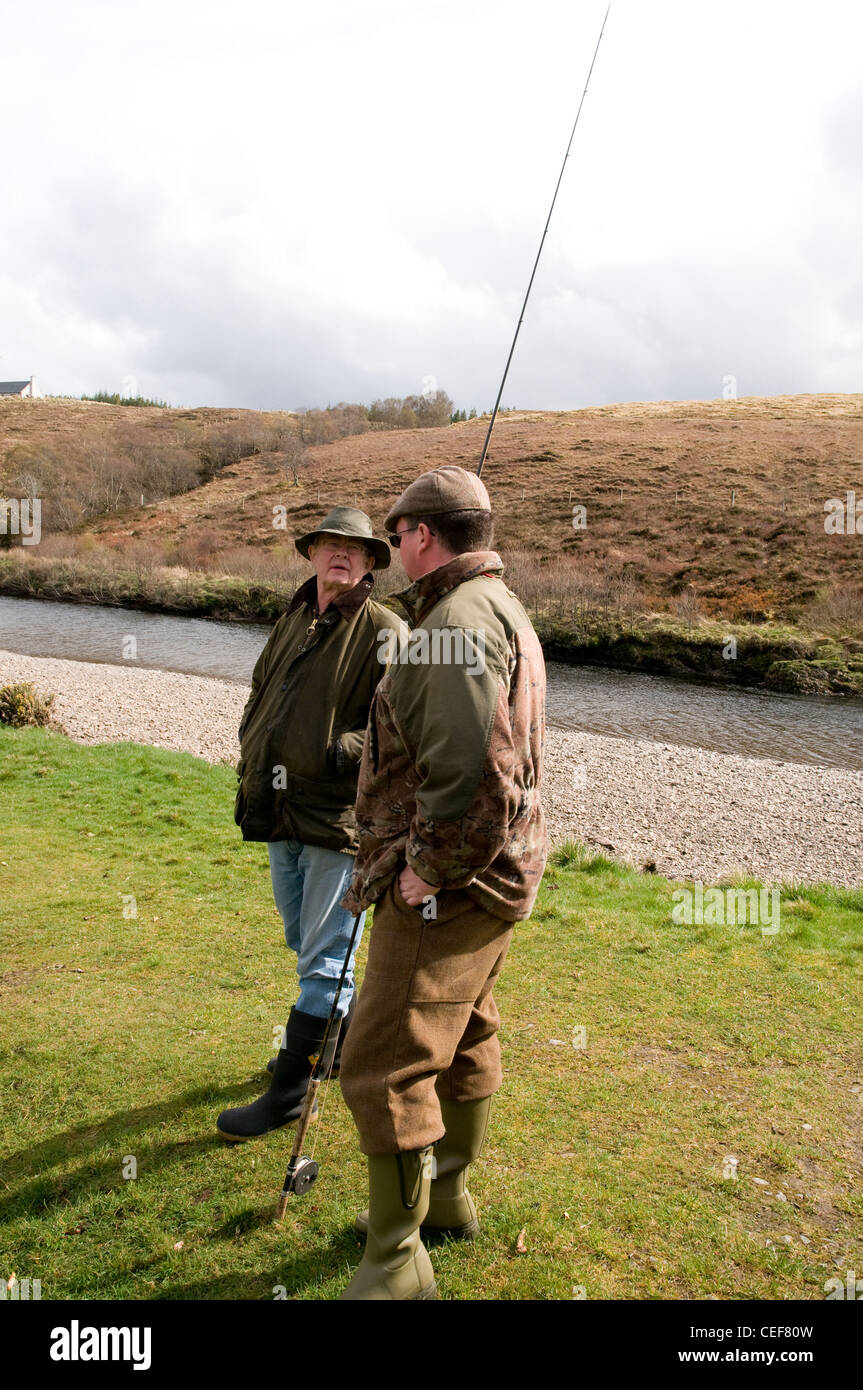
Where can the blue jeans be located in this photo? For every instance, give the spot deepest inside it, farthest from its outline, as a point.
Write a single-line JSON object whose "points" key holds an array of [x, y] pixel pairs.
{"points": [[308, 885]]}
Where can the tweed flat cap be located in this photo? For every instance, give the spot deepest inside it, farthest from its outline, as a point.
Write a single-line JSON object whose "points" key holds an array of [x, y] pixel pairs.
{"points": [[446, 489]]}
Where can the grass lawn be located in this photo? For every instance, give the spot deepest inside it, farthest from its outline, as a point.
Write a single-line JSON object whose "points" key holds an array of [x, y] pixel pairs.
{"points": [[123, 1036]]}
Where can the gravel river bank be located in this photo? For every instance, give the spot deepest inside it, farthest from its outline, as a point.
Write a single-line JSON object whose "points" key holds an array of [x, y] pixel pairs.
{"points": [[691, 813]]}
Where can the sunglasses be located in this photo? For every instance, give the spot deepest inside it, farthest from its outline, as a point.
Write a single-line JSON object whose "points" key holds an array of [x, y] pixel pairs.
{"points": [[396, 540]]}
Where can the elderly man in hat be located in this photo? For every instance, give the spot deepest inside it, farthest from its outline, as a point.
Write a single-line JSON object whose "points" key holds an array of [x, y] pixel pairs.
{"points": [[452, 851], [301, 737]]}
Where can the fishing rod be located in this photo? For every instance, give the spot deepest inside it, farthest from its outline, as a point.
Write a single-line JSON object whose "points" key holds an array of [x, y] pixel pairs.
{"points": [[541, 244], [303, 1171]]}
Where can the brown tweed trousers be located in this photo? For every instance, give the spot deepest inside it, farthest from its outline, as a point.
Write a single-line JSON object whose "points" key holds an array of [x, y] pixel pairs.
{"points": [[426, 1023]]}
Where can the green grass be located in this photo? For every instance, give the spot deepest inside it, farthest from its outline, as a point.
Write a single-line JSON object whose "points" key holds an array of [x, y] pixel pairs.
{"points": [[123, 1037], [776, 656]]}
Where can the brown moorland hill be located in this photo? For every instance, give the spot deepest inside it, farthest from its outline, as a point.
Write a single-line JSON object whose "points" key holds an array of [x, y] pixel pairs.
{"points": [[720, 500], [87, 459], [62, 420]]}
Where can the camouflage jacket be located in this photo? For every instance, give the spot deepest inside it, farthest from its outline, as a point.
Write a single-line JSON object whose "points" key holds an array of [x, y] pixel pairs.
{"points": [[452, 759]]}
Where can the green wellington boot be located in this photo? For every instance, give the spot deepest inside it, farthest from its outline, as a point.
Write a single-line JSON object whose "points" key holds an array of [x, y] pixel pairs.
{"points": [[451, 1211], [396, 1263]]}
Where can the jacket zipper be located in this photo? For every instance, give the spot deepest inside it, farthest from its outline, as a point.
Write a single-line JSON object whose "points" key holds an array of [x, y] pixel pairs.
{"points": [[373, 731]]}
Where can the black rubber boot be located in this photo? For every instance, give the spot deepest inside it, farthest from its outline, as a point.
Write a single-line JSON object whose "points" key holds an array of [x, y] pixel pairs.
{"points": [[284, 1100], [330, 1075]]}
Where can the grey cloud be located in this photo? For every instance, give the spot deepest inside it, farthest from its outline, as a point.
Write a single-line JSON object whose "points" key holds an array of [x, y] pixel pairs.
{"points": [[112, 254]]}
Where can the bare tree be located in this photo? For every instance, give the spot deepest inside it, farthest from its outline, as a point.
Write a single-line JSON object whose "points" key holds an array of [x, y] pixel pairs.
{"points": [[294, 456]]}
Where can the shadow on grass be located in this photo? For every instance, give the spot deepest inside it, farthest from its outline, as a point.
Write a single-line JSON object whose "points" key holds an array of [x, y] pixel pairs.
{"points": [[39, 1188], [289, 1275], [340, 1254]]}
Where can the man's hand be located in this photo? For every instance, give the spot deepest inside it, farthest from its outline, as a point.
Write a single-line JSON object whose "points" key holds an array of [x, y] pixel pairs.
{"points": [[413, 889]]}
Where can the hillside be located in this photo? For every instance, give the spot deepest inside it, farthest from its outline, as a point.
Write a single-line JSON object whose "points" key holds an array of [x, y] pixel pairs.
{"points": [[722, 501], [56, 422]]}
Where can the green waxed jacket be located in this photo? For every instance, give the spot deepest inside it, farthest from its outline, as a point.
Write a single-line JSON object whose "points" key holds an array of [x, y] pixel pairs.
{"points": [[452, 762], [301, 734]]}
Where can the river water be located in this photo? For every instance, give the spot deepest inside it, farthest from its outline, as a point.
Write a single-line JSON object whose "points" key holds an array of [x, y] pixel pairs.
{"points": [[755, 723]]}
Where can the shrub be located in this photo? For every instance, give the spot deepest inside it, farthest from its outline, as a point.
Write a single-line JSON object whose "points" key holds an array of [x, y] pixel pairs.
{"points": [[114, 398], [413, 412], [231, 442], [839, 612], [22, 704], [336, 422]]}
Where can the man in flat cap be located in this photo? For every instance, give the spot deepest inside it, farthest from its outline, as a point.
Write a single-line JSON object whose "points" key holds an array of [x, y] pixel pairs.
{"points": [[301, 737], [452, 851]]}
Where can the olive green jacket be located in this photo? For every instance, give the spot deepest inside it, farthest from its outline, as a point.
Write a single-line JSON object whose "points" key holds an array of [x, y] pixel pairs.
{"points": [[452, 761], [301, 734]]}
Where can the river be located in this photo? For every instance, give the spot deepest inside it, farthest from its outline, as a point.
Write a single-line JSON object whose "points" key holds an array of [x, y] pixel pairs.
{"points": [[793, 728]]}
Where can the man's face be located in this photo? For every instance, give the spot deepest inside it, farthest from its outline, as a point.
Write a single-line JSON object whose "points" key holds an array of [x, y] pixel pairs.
{"points": [[413, 566], [339, 562]]}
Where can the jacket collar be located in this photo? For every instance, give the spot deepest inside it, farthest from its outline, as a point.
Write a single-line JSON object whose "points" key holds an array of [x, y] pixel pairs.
{"points": [[347, 604], [424, 593]]}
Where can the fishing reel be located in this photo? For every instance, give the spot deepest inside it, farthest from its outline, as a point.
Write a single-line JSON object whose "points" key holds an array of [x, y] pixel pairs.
{"points": [[303, 1176]]}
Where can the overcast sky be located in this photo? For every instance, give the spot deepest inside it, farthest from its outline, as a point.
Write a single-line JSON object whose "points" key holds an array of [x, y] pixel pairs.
{"points": [[278, 205]]}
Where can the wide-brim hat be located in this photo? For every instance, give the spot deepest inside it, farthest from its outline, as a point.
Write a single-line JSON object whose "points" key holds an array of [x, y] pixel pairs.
{"points": [[352, 523]]}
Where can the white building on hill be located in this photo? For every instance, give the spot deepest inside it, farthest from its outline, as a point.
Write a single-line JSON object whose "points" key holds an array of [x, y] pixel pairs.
{"points": [[20, 388]]}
